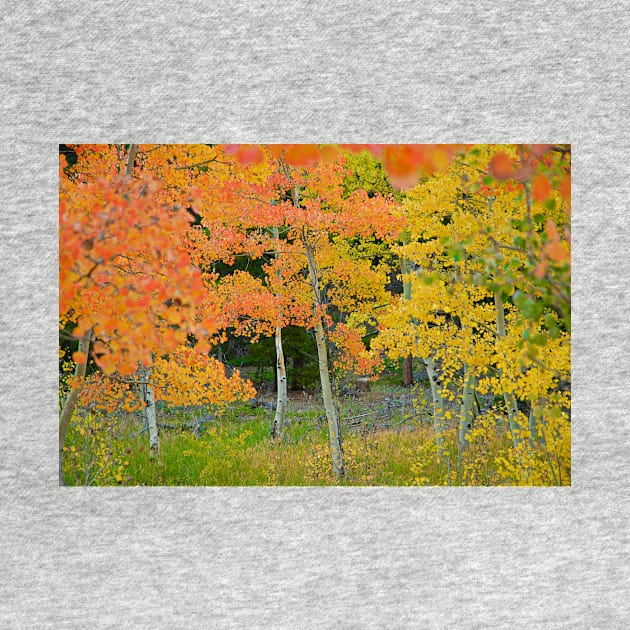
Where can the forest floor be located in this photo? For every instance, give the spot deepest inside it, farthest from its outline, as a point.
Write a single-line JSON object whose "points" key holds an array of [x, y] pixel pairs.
{"points": [[388, 439]]}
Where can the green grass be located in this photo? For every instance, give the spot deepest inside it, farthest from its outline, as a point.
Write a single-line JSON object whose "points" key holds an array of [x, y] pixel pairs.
{"points": [[235, 450]]}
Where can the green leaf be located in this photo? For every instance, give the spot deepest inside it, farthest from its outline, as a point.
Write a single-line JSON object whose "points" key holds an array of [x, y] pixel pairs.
{"points": [[540, 339], [530, 308], [550, 204]]}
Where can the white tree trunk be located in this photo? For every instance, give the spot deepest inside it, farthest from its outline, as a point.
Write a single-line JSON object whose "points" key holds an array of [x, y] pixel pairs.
{"points": [[332, 416], [438, 407], [279, 419], [508, 397], [438, 402], [466, 417], [334, 425], [282, 397], [536, 424], [405, 268], [71, 401], [149, 411], [467, 414]]}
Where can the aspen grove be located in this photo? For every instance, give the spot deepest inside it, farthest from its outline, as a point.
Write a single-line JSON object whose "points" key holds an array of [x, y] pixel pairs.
{"points": [[315, 314]]}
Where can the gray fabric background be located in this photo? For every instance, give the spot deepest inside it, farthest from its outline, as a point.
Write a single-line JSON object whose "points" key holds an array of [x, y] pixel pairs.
{"points": [[314, 72]]}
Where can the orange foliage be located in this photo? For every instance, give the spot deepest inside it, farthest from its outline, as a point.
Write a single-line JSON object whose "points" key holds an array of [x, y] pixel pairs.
{"points": [[541, 188], [187, 378], [126, 269], [137, 273]]}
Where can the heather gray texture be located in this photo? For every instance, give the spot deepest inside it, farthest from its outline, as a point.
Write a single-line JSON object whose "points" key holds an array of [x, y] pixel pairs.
{"points": [[313, 72]]}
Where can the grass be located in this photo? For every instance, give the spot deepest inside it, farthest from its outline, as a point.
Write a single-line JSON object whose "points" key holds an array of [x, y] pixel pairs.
{"points": [[236, 451]]}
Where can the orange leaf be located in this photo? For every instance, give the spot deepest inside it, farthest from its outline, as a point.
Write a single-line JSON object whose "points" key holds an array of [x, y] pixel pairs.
{"points": [[539, 149], [79, 357], [501, 166], [302, 154], [328, 153], [173, 317], [252, 154], [552, 231], [541, 188], [565, 187], [202, 347], [557, 251], [541, 268], [401, 164]]}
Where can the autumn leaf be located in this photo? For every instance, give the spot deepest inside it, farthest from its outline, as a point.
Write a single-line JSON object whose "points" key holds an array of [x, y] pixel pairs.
{"points": [[554, 249], [502, 166], [79, 357], [565, 187], [557, 251], [302, 154], [245, 153], [541, 268], [540, 149], [541, 188], [402, 166]]}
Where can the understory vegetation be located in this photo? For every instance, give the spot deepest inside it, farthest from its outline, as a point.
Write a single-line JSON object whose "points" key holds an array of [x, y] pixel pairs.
{"points": [[388, 440]]}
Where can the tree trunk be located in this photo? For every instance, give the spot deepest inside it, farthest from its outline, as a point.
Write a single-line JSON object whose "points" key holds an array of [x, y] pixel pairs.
{"points": [[131, 158], [438, 402], [277, 426], [466, 417], [536, 424], [407, 370], [438, 407], [68, 408], [407, 366], [332, 415], [149, 412], [281, 400], [467, 414], [508, 397]]}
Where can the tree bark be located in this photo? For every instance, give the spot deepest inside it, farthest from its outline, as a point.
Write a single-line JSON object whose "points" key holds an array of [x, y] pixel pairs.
{"points": [[131, 158], [467, 414], [438, 402], [279, 420], [281, 399], [332, 415], [149, 411], [407, 366], [407, 370], [438, 407], [68, 408], [508, 397]]}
